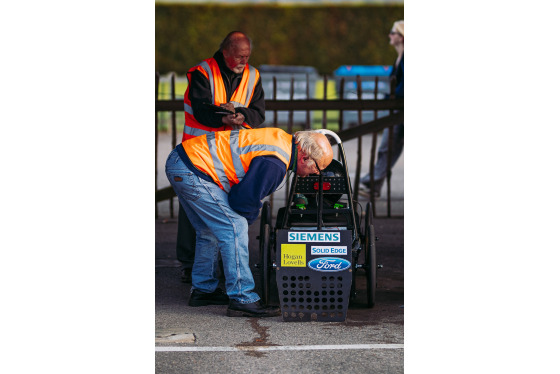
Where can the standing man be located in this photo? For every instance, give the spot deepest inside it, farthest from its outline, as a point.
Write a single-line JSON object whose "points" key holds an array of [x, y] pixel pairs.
{"points": [[396, 39], [228, 81], [220, 179]]}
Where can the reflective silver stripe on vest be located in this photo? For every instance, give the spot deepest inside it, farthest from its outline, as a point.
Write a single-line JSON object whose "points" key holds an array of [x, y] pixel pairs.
{"points": [[252, 78], [195, 132], [262, 147], [188, 109], [206, 68], [218, 165], [234, 148]]}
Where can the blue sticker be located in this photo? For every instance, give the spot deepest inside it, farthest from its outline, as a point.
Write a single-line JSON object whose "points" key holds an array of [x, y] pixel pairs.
{"points": [[329, 264]]}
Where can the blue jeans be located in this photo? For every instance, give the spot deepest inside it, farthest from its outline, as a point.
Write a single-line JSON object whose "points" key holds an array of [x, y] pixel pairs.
{"points": [[218, 228], [380, 168]]}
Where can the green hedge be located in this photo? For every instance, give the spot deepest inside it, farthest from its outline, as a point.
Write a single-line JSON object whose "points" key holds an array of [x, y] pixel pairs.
{"points": [[323, 37]]}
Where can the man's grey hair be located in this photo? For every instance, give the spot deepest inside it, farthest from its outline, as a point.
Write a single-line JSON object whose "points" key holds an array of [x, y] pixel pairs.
{"points": [[233, 38], [308, 144]]}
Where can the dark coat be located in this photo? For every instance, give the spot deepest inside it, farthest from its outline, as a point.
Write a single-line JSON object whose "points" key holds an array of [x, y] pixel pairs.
{"points": [[398, 75]]}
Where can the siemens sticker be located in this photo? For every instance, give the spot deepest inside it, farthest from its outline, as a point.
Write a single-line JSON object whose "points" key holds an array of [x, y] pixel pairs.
{"points": [[323, 250], [314, 236]]}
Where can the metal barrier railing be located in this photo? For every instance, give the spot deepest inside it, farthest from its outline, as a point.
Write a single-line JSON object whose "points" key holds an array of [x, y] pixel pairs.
{"points": [[168, 103]]}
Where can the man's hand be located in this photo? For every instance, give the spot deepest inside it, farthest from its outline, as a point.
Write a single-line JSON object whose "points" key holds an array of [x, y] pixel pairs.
{"points": [[229, 107], [235, 120]]}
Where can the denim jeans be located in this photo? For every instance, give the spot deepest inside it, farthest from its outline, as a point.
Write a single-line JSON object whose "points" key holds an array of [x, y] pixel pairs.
{"points": [[218, 228], [380, 168]]}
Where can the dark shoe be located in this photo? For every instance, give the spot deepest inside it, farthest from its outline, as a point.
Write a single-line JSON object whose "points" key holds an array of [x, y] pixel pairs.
{"points": [[186, 276], [377, 186], [256, 309], [366, 193], [217, 297]]}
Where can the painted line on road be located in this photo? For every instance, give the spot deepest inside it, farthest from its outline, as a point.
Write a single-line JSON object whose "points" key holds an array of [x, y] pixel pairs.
{"points": [[280, 348]]}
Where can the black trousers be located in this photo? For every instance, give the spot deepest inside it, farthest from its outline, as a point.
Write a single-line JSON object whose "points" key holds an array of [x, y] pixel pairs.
{"points": [[186, 240]]}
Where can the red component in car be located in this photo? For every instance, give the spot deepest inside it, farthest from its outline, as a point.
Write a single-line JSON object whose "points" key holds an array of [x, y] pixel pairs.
{"points": [[326, 186]]}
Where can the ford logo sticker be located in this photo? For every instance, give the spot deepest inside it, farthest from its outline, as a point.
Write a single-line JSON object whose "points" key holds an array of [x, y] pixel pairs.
{"points": [[329, 264]]}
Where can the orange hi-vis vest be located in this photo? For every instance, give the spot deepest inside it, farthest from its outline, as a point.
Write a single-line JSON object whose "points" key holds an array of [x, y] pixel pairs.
{"points": [[225, 156], [241, 97]]}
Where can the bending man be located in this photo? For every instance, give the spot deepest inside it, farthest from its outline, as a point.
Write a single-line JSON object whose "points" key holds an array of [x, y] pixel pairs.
{"points": [[220, 179]]}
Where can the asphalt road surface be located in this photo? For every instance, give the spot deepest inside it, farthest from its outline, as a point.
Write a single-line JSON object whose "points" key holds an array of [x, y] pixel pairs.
{"points": [[204, 339]]}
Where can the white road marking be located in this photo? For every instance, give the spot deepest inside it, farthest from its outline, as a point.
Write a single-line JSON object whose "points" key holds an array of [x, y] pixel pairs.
{"points": [[280, 348]]}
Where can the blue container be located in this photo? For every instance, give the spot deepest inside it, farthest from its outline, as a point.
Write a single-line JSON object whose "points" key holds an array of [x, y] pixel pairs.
{"points": [[363, 70], [367, 74]]}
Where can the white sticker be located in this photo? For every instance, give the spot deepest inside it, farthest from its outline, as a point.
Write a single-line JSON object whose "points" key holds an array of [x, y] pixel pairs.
{"points": [[314, 236], [326, 250]]}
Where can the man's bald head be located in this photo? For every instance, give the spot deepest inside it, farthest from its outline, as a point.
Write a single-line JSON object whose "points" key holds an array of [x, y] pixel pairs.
{"points": [[327, 152], [235, 38], [314, 150], [236, 48]]}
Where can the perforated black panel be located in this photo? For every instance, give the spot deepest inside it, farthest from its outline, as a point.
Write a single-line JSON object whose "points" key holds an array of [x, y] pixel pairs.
{"points": [[306, 294]]}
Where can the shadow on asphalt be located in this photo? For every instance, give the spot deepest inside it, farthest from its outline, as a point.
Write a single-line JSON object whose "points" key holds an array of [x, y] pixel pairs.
{"points": [[170, 291]]}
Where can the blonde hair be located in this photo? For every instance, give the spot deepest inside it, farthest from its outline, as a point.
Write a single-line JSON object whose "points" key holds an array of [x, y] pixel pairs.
{"points": [[308, 144], [399, 27]]}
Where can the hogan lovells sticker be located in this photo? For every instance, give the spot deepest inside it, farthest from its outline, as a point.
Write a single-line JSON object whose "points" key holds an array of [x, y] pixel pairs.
{"points": [[293, 255]]}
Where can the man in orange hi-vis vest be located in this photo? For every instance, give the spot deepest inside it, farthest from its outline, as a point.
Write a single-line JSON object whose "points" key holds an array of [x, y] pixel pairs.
{"points": [[220, 180], [225, 80]]}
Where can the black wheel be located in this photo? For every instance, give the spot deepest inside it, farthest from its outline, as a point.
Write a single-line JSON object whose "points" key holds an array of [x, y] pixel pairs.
{"points": [[264, 248], [355, 255], [266, 216], [371, 266], [369, 216]]}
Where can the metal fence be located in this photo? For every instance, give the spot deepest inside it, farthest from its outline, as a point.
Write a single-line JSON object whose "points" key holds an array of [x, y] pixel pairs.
{"points": [[325, 111]]}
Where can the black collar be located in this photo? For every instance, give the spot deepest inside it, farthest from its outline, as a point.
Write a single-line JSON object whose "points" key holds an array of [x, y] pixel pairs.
{"points": [[293, 159]]}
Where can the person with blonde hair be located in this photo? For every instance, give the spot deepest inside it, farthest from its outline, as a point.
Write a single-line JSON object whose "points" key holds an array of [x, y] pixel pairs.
{"points": [[396, 39], [220, 179]]}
